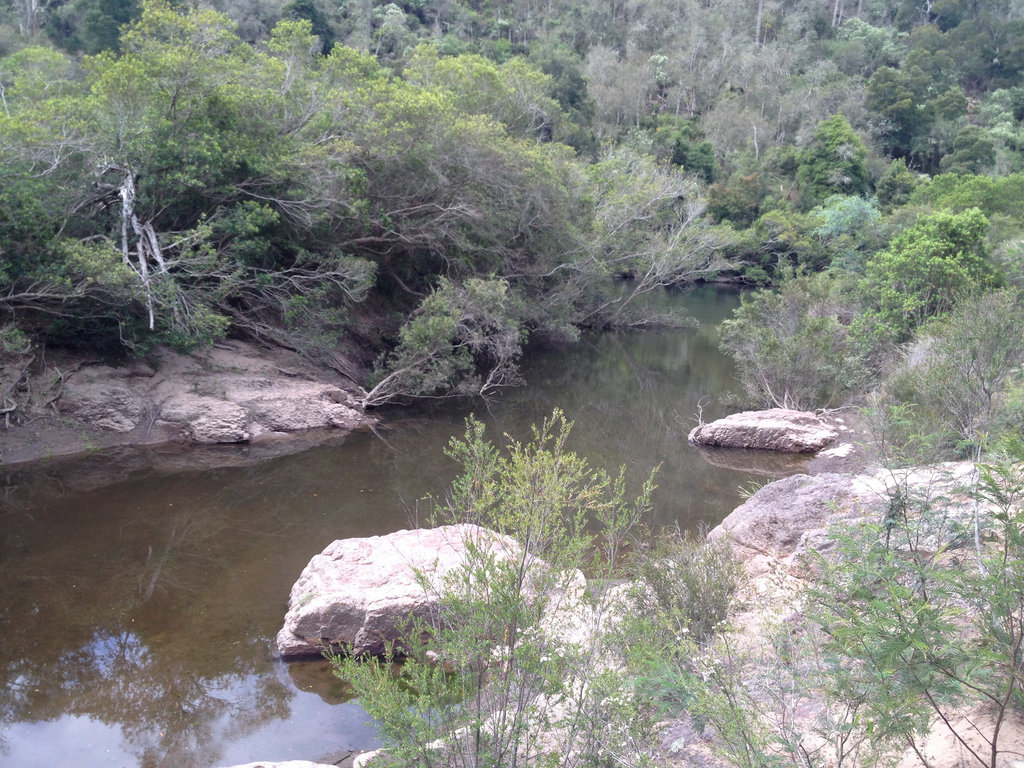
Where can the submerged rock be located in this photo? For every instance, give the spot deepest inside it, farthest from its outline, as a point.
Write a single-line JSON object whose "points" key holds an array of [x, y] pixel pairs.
{"points": [[776, 429]]}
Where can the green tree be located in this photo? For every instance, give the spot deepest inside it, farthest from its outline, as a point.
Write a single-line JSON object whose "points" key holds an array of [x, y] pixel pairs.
{"points": [[737, 201], [923, 270], [973, 152], [163, 154], [786, 240], [833, 162], [894, 188], [462, 340], [692, 153], [514, 93], [889, 96], [793, 346]]}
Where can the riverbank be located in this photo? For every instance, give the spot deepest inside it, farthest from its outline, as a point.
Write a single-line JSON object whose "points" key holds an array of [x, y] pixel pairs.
{"points": [[232, 392], [793, 537]]}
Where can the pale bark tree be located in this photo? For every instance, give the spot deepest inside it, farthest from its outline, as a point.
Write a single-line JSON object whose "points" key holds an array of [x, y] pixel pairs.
{"points": [[647, 229]]}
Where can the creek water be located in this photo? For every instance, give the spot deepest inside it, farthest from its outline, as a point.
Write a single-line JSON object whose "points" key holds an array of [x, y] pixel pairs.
{"points": [[139, 600]]}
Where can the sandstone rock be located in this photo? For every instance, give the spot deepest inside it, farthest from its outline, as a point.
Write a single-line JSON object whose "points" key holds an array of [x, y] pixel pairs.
{"points": [[230, 392], [207, 420], [308, 408], [787, 518], [103, 402], [359, 594], [776, 429], [363, 760]]}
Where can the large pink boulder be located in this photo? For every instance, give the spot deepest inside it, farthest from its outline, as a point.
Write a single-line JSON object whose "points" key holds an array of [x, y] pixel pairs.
{"points": [[776, 429], [360, 594]]}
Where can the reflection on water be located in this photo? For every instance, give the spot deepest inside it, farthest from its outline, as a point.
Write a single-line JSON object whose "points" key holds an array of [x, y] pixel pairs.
{"points": [[138, 616], [754, 462]]}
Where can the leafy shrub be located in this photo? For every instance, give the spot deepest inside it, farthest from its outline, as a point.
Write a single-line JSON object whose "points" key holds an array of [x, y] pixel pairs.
{"points": [[689, 584], [505, 677], [924, 269], [793, 346]]}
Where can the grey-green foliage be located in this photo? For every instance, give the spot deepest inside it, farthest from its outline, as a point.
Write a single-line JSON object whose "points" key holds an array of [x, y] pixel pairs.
{"points": [[684, 589], [518, 667], [860, 48], [849, 227], [1001, 114], [755, 691], [918, 626], [689, 583], [793, 346], [961, 367], [646, 226], [458, 331]]}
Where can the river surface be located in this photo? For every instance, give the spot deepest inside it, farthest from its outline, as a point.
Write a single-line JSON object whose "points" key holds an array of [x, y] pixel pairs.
{"points": [[138, 607]]}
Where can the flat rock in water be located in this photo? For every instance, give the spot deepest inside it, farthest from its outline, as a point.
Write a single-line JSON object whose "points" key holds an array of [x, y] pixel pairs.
{"points": [[231, 393], [359, 594], [776, 429]]}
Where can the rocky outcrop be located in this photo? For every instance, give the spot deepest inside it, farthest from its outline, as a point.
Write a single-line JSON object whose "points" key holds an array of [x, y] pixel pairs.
{"points": [[776, 429], [106, 399], [789, 517], [231, 393], [360, 594], [207, 420], [786, 519]]}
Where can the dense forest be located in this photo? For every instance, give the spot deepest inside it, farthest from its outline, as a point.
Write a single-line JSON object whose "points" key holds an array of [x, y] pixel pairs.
{"points": [[424, 187]]}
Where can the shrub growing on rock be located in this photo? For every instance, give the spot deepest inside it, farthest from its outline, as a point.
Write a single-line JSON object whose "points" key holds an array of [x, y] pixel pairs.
{"points": [[519, 666]]}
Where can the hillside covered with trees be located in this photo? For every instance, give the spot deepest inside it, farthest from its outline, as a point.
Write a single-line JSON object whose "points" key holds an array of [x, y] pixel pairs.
{"points": [[424, 187]]}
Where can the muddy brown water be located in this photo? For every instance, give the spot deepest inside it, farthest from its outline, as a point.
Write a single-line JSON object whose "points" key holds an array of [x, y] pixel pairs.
{"points": [[140, 591]]}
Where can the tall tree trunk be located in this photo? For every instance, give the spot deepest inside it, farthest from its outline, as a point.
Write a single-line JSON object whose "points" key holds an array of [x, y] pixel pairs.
{"points": [[837, 13], [757, 31]]}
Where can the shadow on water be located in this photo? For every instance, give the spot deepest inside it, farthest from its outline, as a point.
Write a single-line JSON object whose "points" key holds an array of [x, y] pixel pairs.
{"points": [[141, 590]]}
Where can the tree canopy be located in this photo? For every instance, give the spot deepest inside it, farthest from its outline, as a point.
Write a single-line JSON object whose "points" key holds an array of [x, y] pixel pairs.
{"points": [[330, 177]]}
